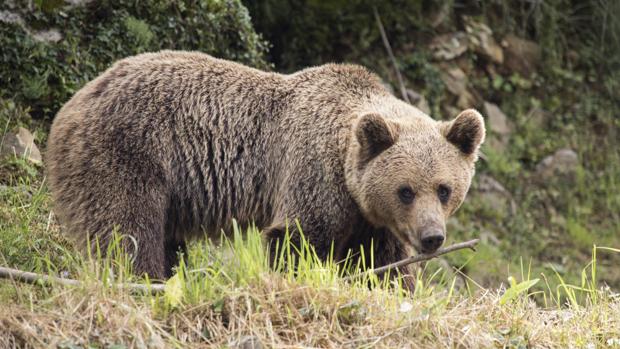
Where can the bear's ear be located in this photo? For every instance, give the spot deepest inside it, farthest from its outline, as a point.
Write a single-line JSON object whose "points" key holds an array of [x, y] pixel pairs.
{"points": [[375, 135], [466, 131]]}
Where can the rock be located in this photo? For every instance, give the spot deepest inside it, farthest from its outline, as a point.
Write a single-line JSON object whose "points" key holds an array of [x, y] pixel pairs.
{"points": [[537, 117], [48, 35], [414, 97], [499, 126], [449, 46], [494, 195], [11, 17], [522, 56], [247, 342], [22, 190], [76, 3], [466, 100], [456, 82], [563, 163], [497, 120], [481, 41], [418, 101], [21, 143]]}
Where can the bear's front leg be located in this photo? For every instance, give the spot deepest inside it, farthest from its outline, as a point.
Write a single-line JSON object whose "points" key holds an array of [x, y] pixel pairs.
{"points": [[388, 249], [380, 248], [313, 192]]}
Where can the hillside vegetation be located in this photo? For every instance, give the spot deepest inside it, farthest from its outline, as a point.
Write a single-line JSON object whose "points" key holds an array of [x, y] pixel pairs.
{"points": [[545, 201]]}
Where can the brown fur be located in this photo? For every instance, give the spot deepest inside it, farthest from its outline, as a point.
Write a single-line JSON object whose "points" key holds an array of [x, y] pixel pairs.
{"points": [[168, 145]]}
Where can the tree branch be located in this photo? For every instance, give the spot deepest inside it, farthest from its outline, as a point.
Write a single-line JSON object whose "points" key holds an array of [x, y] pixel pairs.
{"points": [[471, 244], [388, 48], [34, 278]]}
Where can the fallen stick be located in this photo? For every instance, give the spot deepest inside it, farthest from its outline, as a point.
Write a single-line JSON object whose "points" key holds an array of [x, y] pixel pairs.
{"points": [[34, 278], [471, 244]]}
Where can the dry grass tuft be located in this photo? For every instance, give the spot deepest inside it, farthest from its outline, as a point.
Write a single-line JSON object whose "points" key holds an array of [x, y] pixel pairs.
{"points": [[282, 313]]}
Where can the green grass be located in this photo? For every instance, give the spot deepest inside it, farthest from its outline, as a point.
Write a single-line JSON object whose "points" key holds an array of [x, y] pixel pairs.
{"points": [[225, 292]]}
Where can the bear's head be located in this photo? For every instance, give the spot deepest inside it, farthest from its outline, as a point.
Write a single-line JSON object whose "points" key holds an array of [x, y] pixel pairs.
{"points": [[409, 175]]}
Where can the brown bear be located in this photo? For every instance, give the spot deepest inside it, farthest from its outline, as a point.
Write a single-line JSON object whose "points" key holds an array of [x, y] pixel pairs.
{"points": [[169, 145]]}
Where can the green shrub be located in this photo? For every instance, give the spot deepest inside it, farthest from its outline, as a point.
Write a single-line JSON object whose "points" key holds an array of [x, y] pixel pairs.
{"points": [[44, 75]]}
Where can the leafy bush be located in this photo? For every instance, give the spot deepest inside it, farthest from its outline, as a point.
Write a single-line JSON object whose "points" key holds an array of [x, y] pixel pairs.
{"points": [[44, 75]]}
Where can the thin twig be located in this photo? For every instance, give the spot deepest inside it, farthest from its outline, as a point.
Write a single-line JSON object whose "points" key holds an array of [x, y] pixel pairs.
{"points": [[34, 278], [388, 48], [471, 244]]}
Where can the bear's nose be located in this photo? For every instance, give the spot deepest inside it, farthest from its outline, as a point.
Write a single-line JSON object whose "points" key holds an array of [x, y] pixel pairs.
{"points": [[431, 240]]}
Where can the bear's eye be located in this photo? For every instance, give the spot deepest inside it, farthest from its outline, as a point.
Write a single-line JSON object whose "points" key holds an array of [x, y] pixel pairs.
{"points": [[444, 193], [406, 195]]}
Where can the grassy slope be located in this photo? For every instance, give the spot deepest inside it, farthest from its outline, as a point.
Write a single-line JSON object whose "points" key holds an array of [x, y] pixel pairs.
{"points": [[227, 294]]}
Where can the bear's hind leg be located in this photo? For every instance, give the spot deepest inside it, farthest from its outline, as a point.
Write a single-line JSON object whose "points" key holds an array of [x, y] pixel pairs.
{"points": [[143, 239], [139, 219]]}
